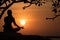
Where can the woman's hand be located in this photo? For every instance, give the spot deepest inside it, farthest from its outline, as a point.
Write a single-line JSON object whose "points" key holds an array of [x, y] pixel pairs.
{"points": [[20, 27]]}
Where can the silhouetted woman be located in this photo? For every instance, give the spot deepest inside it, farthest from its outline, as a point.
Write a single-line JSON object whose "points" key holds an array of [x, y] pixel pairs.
{"points": [[8, 23]]}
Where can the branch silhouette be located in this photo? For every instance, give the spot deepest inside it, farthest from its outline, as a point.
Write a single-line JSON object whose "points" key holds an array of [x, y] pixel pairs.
{"points": [[53, 18], [36, 2], [5, 8], [55, 5]]}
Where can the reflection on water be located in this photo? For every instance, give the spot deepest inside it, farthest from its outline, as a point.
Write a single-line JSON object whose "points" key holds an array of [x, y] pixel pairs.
{"points": [[55, 38]]}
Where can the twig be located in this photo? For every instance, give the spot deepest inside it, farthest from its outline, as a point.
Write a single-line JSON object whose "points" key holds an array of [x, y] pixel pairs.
{"points": [[53, 18]]}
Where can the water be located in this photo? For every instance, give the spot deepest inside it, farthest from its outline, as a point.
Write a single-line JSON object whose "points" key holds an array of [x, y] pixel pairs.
{"points": [[55, 38]]}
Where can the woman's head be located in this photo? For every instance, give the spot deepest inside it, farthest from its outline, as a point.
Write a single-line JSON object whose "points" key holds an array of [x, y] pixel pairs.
{"points": [[9, 12]]}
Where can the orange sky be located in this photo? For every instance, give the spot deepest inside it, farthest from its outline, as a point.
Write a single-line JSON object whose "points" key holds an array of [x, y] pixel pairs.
{"points": [[36, 24]]}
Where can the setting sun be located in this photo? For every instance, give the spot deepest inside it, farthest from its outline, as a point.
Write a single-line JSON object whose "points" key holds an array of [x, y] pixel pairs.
{"points": [[22, 22]]}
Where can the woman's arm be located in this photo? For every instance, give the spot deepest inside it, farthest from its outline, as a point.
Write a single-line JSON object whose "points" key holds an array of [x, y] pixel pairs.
{"points": [[16, 24]]}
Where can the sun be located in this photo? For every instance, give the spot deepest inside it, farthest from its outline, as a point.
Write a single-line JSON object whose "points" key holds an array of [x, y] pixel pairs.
{"points": [[22, 22]]}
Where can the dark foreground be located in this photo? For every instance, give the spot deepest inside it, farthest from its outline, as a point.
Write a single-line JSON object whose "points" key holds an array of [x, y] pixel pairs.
{"points": [[18, 36]]}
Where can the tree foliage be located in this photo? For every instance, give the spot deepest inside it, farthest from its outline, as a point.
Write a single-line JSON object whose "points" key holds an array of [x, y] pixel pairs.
{"points": [[55, 5]]}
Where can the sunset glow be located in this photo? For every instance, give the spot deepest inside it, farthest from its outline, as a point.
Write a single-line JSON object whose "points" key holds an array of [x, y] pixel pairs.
{"points": [[32, 19], [22, 22]]}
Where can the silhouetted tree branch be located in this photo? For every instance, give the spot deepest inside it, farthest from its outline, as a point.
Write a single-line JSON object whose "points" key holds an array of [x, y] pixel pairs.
{"points": [[53, 18], [36, 2], [55, 5], [5, 9]]}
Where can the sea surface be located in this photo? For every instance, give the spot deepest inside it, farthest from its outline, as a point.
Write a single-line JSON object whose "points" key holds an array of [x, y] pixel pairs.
{"points": [[55, 38]]}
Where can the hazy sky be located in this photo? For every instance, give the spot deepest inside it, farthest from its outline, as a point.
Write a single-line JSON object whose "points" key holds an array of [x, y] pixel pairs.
{"points": [[36, 23]]}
